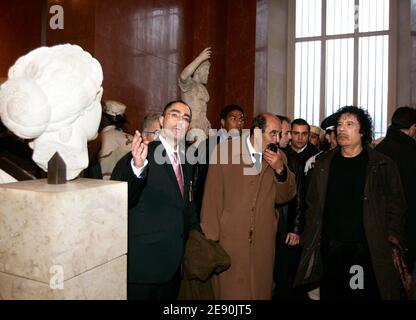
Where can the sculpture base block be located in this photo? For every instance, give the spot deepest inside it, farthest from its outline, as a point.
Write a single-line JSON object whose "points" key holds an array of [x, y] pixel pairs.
{"points": [[73, 234], [106, 282]]}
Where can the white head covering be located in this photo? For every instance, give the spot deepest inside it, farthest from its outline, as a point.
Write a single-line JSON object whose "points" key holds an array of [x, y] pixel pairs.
{"points": [[114, 108], [316, 130]]}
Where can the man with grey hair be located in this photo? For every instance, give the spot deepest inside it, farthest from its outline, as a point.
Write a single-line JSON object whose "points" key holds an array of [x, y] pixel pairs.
{"points": [[151, 126]]}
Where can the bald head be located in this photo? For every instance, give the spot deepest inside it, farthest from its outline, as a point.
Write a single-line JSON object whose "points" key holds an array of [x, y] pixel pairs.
{"points": [[271, 119]]}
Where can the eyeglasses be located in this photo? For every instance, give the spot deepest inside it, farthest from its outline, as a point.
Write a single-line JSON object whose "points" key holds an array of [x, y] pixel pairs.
{"points": [[151, 132], [178, 117]]}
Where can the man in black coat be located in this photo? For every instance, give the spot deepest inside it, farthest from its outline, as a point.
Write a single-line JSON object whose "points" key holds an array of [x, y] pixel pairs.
{"points": [[161, 211], [301, 131], [400, 145], [290, 228], [355, 209]]}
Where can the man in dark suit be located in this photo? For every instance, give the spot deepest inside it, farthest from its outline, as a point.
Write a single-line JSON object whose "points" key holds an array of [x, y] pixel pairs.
{"points": [[161, 211], [400, 145], [290, 225], [301, 131]]}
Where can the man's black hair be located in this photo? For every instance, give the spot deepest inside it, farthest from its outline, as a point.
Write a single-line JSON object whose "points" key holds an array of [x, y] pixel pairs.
{"points": [[301, 122], [258, 122], [403, 118], [172, 103], [227, 109], [283, 118], [366, 124]]}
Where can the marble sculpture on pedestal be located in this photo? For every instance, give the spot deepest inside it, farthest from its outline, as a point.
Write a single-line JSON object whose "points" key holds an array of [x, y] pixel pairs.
{"points": [[52, 97]]}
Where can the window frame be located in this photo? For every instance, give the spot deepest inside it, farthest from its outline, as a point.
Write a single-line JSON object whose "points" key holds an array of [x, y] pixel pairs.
{"points": [[392, 60]]}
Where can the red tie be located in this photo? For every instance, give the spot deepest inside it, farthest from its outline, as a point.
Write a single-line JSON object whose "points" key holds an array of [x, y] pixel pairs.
{"points": [[178, 171]]}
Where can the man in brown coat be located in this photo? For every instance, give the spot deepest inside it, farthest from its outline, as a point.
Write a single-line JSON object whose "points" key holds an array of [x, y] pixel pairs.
{"points": [[355, 208], [239, 208]]}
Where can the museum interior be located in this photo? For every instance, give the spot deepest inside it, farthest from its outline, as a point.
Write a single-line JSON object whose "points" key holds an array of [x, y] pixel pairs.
{"points": [[297, 58]]}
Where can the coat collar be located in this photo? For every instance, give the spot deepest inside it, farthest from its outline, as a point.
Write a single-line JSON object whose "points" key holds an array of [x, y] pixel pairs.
{"points": [[323, 164], [375, 158], [400, 137]]}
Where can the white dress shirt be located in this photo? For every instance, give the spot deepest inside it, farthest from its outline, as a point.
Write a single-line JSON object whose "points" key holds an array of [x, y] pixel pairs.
{"points": [[252, 151], [169, 151]]}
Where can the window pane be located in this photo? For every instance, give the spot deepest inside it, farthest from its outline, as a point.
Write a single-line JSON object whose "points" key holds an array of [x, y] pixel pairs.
{"points": [[374, 15], [340, 16], [373, 80], [307, 81], [339, 74], [308, 18]]}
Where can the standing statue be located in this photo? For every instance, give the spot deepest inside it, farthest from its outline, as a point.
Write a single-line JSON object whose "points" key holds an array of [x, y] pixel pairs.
{"points": [[192, 83], [52, 97]]}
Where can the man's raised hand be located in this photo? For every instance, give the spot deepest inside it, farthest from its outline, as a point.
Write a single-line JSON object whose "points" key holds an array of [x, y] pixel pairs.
{"points": [[139, 150]]}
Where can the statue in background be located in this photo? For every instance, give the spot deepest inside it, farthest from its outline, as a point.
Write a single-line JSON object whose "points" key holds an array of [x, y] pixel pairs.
{"points": [[192, 83], [53, 96]]}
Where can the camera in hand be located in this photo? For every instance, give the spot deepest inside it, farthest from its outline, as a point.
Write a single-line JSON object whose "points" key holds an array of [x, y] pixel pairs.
{"points": [[272, 147]]}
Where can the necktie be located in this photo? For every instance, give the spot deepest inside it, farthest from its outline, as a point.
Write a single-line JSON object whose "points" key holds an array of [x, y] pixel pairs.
{"points": [[257, 162], [178, 171]]}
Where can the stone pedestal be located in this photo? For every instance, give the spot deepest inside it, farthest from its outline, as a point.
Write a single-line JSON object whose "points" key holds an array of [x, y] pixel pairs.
{"points": [[63, 241]]}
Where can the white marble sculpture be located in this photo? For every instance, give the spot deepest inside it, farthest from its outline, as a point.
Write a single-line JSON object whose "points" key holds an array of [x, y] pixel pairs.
{"points": [[192, 83], [52, 96]]}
